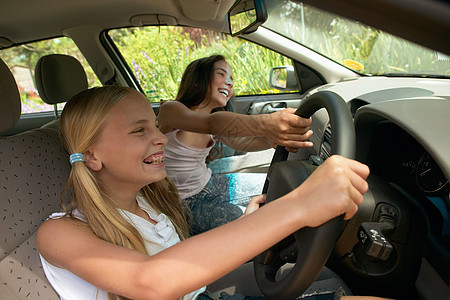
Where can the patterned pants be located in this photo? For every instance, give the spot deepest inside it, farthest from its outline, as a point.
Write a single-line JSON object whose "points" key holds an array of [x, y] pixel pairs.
{"points": [[223, 199]]}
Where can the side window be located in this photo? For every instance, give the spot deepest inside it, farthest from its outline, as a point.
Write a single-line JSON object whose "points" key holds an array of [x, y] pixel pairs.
{"points": [[22, 61], [159, 55]]}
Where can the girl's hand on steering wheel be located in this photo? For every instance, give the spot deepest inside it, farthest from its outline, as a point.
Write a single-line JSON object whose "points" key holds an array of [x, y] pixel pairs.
{"points": [[336, 188]]}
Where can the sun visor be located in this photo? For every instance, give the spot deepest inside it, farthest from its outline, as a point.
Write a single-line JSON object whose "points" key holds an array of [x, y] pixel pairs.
{"points": [[203, 10]]}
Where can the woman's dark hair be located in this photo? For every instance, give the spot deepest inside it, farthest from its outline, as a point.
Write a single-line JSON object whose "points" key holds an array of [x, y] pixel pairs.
{"points": [[196, 80]]}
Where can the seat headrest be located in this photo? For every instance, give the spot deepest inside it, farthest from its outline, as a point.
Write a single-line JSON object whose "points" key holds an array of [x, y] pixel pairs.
{"points": [[10, 105], [59, 77]]}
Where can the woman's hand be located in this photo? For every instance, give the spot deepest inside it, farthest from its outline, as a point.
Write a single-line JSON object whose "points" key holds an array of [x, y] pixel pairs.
{"points": [[287, 129], [254, 204]]}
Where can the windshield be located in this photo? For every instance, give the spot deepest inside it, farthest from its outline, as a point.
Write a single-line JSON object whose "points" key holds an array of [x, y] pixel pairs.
{"points": [[352, 44]]}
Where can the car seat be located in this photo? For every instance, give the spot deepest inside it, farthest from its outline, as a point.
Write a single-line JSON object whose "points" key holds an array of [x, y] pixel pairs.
{"points": [[33, 171], [59, 77]]}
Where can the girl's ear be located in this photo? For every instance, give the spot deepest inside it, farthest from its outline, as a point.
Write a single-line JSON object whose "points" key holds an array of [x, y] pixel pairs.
{"points": [[91, 161]]}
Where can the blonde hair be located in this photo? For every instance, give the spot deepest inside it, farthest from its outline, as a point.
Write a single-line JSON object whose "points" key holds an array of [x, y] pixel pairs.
{"points": [[81, 123]]}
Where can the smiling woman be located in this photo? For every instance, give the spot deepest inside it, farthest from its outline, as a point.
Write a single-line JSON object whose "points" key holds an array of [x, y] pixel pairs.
{"points": [[206, 85]]}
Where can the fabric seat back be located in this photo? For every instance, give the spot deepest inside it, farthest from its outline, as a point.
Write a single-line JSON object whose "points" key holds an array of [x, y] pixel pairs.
{"points": [[59, 77], [33, 171]]}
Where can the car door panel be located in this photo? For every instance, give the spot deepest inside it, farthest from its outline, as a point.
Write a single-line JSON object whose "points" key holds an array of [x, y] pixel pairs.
{"points": [[263, 104]]}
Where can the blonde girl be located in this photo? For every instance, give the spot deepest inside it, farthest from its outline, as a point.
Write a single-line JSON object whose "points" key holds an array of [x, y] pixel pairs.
{"points": [[124, 233]]}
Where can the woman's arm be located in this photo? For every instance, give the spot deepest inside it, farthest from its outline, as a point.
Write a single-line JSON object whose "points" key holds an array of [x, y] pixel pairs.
{"points": [[283, 127], [258, 143], [338, 185], [247, 143]]}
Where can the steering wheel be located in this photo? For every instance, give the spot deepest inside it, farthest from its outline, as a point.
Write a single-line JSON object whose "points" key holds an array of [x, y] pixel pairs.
{"points": [[309, 248]]}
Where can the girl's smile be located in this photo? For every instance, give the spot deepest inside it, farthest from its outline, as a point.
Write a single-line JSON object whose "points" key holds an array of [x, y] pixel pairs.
{"points": [[155, 159], [221, 85], [225, 92]]}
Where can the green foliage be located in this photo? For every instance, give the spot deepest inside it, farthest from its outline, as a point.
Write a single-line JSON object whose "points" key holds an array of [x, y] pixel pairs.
{"points": [[26, 56], [341, 40], [158, 57]]}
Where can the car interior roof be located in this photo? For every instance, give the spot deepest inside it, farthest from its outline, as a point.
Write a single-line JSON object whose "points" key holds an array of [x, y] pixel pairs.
{"points": [[64, 15], [430, 29]]}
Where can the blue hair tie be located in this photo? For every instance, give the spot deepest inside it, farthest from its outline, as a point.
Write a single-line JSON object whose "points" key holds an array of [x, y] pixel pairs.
{"points": [[76, 157]]}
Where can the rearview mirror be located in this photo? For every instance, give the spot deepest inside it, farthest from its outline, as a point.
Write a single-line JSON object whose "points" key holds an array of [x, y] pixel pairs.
{"points": [[283, 78], [245, 16]]}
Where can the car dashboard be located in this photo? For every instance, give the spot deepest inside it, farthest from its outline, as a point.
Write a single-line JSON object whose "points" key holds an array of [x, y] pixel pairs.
{"points": [[402, 136]]}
